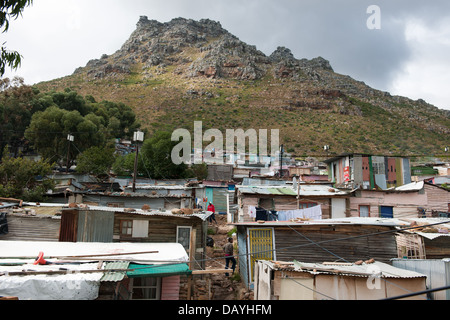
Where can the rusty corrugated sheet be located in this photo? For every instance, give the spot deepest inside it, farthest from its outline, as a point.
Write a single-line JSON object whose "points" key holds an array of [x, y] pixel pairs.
{"points": [[25, 228], [68, 230]]}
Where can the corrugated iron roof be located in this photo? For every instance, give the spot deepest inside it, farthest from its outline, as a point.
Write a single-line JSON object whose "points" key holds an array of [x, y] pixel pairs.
{"points": [[376, 268], [203, 215], [115, 276], [305, 190], [380, 269]]}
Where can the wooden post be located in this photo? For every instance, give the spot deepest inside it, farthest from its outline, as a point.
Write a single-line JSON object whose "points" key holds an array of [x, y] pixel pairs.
{"points": [[191, 260]]}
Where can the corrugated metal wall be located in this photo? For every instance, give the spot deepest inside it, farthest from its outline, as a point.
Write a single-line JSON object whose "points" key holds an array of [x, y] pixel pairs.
{"points": [[69, 225], [95, 226], [170, 288], [242, 245], [23, 228], [437, 272]]}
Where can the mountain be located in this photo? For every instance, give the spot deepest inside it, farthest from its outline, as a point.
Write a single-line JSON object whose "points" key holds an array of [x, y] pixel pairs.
{"points": [[182, 71]]}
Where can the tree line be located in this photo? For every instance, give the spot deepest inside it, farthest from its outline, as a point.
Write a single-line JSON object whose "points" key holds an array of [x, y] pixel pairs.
{"points": [[67, 129]]}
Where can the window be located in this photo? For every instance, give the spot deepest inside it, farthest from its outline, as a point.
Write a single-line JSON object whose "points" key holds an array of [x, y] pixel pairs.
{"points": [[364, 211], [387, 212], [306, 205], [148, 288], [134, 228], [126, 227], [184, 237]]}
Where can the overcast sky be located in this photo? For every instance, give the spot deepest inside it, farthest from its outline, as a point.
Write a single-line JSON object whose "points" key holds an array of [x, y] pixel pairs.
{"points": [[408, 55]]}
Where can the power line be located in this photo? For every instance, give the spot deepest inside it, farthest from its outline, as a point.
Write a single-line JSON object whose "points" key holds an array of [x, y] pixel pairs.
{"points": [[417, 293]]}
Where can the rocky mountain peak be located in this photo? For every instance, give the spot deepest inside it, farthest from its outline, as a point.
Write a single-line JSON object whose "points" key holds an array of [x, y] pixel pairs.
{"points": [[198, 49], [282, 54]]}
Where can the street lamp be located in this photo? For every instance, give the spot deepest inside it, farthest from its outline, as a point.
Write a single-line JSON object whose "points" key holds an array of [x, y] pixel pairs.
{"points": [[137, 137], [326, 149], [70, 138]]}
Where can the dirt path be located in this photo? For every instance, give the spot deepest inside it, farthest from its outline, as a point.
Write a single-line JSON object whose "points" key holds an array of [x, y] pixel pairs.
{"points": [[223, 287]]}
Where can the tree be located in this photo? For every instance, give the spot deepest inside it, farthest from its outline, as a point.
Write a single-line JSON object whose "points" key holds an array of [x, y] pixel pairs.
{"points": [[96, 161], [16, 109], [156, 153], [124, 165], [24, 178], [10, 9], [49, 130], [154, 159]]}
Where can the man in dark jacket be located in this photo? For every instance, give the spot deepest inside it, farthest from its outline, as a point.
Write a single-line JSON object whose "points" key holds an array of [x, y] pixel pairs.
{"points": [[229, 255]]}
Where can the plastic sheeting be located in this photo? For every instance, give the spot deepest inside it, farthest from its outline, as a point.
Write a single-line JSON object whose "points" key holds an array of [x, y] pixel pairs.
{"points": [[73, 285], [70, 286], [163, 251]]}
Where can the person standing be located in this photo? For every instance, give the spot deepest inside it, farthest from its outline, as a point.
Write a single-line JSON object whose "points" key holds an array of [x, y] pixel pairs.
{"points": [[212, 209], [229, 255]]}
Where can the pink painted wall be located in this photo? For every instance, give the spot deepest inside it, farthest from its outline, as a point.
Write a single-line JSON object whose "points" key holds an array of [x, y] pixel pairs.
{"points": [[170, 288], [405, 204]]}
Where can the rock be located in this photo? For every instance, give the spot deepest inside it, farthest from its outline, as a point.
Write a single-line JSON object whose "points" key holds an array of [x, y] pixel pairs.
{"points": [[281, 54]]}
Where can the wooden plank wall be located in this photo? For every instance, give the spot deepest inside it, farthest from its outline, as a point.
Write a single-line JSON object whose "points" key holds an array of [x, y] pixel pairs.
{"points": [[438, 248], [438, 198], [164, 229]]}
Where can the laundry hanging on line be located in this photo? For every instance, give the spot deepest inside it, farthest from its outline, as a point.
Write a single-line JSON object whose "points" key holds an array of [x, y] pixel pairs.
{"points": [[313, 213]]}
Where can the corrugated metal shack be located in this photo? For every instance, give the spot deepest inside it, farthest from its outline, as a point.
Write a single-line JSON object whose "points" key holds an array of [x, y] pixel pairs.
{"points": [[432, 236], [371, 280], [333, 202], [345, 240], [401, 202], [220, 193], [368, 171], [104, 224], [31, 223]]}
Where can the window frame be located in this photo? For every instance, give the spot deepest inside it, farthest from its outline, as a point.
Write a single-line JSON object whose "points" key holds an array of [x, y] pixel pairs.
{"points": [[368, 210], [129, 228], [158, 288], [189, 240], [307, 204]]}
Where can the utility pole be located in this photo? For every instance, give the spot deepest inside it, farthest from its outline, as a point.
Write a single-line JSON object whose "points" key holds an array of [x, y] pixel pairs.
{"points": [[137, 137], [70, 138], [281, 160]]}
